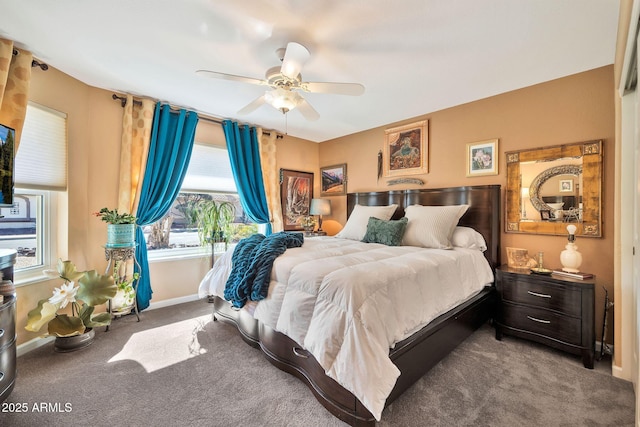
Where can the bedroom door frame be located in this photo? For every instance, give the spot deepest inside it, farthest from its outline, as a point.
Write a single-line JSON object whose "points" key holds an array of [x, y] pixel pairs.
{"points": [[627, 187]]}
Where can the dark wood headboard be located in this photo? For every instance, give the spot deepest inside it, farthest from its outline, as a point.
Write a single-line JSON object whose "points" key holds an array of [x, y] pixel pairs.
{"points": [[483, 214]]}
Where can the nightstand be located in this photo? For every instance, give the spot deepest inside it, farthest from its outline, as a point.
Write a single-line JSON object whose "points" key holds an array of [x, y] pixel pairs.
{"points": [[552, 310]]}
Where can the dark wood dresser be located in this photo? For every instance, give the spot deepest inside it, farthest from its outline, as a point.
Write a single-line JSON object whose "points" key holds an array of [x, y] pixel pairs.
{"points": [[552, 310]]}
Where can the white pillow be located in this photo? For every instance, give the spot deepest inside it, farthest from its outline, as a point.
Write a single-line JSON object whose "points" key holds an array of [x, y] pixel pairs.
{"points": [[356, 225], [432, 226], [467, 237]]}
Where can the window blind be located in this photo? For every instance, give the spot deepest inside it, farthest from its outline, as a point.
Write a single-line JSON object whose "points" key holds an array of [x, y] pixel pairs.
{"points": [[209, 171], [41, 161]]}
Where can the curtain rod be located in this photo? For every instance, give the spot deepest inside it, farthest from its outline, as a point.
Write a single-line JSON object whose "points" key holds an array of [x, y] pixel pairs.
{"points": [[123, 102], [34, 62]]}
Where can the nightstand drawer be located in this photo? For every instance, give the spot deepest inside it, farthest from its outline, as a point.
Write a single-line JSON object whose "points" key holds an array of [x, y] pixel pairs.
{"points": [[560, 298], [543, 322]]}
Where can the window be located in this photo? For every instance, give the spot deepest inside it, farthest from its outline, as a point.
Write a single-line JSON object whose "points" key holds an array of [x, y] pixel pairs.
{"points": [[40, 174], [208, 177]]}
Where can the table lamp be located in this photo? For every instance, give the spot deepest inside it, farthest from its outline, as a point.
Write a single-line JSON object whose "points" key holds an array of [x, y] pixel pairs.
{"points": [[320, 207], [570, 258]]}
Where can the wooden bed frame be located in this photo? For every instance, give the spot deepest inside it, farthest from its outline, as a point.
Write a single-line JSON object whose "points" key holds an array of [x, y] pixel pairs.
{"points": [[413, 356]]}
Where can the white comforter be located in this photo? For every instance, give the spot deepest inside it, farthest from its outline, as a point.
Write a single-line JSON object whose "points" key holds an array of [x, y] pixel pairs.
{"points": [[348, 302]]}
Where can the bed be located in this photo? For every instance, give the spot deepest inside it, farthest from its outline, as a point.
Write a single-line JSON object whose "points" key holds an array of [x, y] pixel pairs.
{"points": [[302, 345]]}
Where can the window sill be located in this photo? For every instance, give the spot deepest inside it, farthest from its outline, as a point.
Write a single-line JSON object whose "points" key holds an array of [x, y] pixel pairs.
{"points": [[173, 255], [30, 279]]}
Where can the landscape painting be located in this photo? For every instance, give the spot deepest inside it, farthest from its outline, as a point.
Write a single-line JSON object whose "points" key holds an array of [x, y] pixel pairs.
{"points": [[334, 180]]}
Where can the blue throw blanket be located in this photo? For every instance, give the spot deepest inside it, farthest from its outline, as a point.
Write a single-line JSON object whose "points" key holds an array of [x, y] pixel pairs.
{"points": [[251, 264]]}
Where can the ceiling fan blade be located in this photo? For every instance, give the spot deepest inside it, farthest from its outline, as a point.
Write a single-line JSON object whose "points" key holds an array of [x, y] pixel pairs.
{"points": [[253, 105], [223, 76], [294, 58], [353, 89], [308, 111]]}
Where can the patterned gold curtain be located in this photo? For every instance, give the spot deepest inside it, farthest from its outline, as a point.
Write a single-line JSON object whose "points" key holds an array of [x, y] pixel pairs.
{"points": [[15, 75], [137, 121], [267, 143]]}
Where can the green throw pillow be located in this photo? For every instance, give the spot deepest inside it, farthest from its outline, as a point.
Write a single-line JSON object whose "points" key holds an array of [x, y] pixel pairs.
{"points": [[386, 232]]}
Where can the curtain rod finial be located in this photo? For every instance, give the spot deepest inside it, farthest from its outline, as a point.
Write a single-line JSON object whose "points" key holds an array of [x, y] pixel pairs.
{"points": [[122, 99]]}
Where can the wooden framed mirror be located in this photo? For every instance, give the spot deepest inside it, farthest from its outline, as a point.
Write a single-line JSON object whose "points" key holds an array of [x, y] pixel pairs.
{"points": [[549, 188]]}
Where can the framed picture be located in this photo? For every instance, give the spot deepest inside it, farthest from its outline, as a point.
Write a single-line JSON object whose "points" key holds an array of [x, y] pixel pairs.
{"points": [[566, 185], [545, 214], [296, 192], [482, 158], [406, 150], [334, 180]]}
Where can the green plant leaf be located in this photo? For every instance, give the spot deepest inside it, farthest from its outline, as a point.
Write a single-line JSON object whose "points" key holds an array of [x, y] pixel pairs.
{"points": [[95, 288], [91, 321], [85, 314], [100, 319], [65, 326], [39, 316], [68, 272]]}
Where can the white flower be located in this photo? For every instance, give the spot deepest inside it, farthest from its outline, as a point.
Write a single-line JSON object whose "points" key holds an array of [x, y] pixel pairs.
{"points": [[64, 294]]}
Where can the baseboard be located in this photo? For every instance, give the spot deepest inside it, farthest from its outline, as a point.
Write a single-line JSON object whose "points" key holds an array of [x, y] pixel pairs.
{"points": [[173, 301], [35, 343], [618, 372]]}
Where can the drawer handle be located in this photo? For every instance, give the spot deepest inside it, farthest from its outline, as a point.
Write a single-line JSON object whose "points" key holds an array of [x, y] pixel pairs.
{"points": [[535, 294], [538, 320], [1, 375], [1, 333], [300, 352]]}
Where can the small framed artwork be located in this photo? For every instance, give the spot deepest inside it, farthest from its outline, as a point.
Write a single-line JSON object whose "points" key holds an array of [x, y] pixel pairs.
{"points": [[566, 185], [406, 150], [482, 158], [334, 180], [545, 214], [296, 192]]}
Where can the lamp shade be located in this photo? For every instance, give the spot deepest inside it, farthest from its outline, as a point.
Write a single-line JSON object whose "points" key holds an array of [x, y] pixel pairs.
{"points": [[320, 207], [282, 99]]}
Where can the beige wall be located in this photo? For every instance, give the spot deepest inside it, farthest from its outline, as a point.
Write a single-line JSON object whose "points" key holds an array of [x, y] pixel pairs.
{"points": [[572, 109], [94, 126]]}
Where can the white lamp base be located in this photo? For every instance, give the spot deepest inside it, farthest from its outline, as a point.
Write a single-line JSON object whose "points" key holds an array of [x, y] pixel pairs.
{"points": [[570, 258]]}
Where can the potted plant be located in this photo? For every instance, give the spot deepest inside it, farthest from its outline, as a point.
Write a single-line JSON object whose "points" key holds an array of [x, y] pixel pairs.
{"points": [[213, 218], [121, 227], [83, 291]]}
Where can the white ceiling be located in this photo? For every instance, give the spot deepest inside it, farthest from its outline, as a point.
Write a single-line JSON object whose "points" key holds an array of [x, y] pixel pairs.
{"points": [[412, 56]]}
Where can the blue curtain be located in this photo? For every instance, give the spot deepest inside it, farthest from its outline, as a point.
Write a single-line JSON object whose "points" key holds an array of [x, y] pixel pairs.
{"points": [[169, 153], [244, 152]]}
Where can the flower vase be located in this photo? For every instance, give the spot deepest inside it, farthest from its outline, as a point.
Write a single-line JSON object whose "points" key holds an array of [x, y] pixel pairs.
{"points": [[74, 343]]}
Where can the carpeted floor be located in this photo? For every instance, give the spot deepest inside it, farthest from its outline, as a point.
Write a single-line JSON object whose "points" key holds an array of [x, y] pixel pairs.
{"points": [[178, 368]]}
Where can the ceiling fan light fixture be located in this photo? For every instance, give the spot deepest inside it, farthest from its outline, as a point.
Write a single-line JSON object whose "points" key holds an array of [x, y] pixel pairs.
{"points": [[282, 99]]}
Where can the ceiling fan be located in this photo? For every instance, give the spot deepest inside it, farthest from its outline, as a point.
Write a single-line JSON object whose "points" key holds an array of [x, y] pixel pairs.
{"points": [[286, 82]]}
